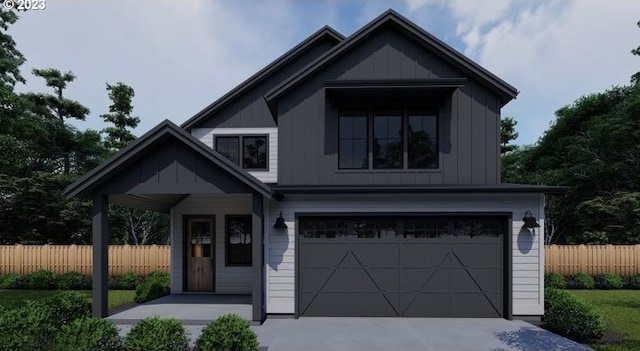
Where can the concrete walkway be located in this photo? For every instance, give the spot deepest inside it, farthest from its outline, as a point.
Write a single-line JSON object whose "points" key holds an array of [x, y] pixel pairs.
{"points": [[189, 309], [353, 334]]}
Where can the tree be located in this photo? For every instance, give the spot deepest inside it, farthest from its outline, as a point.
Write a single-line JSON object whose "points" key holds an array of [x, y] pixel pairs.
{"points": [[507, 134], [593, 147], [14, 143], [12, 59], [56, 109], [120, 115], [635, 78]]}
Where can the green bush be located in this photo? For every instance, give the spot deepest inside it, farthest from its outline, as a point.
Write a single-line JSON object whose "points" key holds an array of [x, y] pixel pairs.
{"points": [[13, 281], [26, 328], [68, 306], [227, 333], [88, 334], [158, 275], [41, 280], [632, 282], [157, 334], [555, 281], [74, 281], [608, 281], [569, 316], [128, 281], [155, 285], [580, 281]]}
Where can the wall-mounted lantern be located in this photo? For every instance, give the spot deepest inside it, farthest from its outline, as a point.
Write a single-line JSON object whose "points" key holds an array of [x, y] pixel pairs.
{"points": [[280, 224], [530, 221]]}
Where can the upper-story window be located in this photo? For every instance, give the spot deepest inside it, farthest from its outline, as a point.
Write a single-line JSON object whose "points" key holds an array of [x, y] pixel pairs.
{"points": [[247, 151], [388, 139], [353, 140]]}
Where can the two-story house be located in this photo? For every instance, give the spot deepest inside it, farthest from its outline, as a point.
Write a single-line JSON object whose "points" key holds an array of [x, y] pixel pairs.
{"points": [[354, 176]]}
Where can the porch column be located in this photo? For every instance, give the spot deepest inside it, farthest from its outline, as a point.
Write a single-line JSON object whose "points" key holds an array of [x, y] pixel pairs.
{"points": [[257, 259], [100, 233]]}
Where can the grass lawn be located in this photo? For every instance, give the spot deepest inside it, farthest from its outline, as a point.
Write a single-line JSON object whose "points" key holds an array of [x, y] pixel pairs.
{"points": [[10, 298], [621, 312]]}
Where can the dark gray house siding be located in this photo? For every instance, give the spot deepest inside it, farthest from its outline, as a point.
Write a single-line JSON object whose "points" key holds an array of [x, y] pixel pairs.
{"points": [[173, 168], [468, 119], [250, 110]]}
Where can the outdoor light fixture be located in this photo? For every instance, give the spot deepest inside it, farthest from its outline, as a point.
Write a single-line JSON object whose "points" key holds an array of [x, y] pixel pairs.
{"points": [[530, 221], [280, 224]]}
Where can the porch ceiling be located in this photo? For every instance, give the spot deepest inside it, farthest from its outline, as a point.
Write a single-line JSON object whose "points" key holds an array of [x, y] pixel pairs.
{"points": [[152, 202]]}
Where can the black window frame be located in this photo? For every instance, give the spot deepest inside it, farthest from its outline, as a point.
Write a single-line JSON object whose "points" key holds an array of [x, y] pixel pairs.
{"points": [[227, 250], [387, 113], [422, 113], [405, 113], [229, 137], [351, 113], [241, 158]]}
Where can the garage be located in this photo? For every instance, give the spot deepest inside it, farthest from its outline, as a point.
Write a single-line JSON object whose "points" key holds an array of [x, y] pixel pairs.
{"points": [[401, 266]]}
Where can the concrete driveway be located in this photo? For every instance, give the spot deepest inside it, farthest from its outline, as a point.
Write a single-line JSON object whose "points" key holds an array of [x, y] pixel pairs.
{"points": [[353, 334], [405, 334]]}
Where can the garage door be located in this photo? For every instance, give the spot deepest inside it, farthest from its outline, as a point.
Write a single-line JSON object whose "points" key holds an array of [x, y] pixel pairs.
{"points": [[418, 266]]}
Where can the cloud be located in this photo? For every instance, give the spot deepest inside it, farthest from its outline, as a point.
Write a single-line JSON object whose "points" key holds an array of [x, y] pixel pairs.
{"points": [[181, 57], [552, 51]]}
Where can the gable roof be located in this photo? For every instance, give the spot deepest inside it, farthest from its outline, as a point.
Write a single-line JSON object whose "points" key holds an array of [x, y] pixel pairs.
{"points": [[504, 89], [112, 166], [323, 33]]}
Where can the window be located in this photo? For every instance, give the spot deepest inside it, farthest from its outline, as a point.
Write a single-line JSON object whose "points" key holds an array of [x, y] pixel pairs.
{"points": [[401, 227], [238, 240], [253, 152], [422, 147], [388, 139], [353, 141], [229, 147]]}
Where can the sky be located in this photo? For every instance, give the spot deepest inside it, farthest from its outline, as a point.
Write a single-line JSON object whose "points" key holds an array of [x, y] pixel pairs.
{"points": [[180, 56]]}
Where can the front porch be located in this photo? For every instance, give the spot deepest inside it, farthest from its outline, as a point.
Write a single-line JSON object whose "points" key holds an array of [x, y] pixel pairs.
{"points": [[189, 309], [163, 171]]}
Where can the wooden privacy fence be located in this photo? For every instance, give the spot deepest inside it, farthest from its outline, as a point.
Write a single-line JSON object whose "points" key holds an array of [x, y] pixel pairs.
{"points": [[59, 259], [623, 260], [24, 259]]}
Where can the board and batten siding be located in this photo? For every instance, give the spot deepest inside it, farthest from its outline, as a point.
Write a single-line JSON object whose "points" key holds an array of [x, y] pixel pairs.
{"points": [[207, 136], [528, 260], [231, 280], [469, 119]]}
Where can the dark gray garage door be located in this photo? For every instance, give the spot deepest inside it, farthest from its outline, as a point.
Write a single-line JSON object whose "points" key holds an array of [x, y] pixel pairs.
{"points": [[418, 266]]}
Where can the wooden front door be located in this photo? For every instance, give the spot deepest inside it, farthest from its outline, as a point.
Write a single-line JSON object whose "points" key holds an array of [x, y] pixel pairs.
{"points": [[199, 251]]}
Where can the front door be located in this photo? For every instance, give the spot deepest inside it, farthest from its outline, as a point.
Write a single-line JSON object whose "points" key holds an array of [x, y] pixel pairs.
{"points": [[200, 239]]}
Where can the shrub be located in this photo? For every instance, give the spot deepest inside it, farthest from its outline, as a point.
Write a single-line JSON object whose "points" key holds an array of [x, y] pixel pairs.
{"points": [[26, 328], [608, 281], [128, 281], [41, 280], [554, 281], [567, 315], [68, 306], [158, 275], [13, 281], [155, 285], [227, 333], [580, 281], [157, 334], [88, 334], [632, 282], [74, 281]]}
